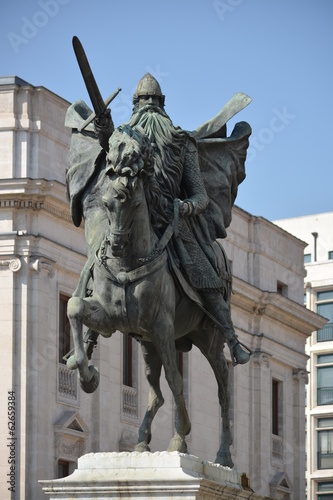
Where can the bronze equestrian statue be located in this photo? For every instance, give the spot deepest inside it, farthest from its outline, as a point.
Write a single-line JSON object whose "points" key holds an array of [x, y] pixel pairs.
{"points": [[155, 199]]}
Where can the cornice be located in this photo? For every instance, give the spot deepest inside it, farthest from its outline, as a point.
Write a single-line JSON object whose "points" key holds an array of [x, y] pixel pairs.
{"points": [[276, 307], [35, 194]]}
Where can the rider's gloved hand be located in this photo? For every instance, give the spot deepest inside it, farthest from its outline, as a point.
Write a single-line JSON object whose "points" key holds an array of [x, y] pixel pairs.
{"points": [[185, 207], [103, 121], [104, 128]]}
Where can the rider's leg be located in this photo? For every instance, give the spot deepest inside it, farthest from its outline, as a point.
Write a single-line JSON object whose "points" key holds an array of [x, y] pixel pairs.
{"points": [[218, 308]]}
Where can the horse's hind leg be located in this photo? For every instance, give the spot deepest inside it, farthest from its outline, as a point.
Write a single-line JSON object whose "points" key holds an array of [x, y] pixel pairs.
{"points": [[153, 367], [211, 345], [163, 339]]}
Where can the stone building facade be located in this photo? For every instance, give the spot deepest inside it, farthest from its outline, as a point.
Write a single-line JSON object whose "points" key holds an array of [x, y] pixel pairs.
{"points": [[317, 231], [46, 421]]}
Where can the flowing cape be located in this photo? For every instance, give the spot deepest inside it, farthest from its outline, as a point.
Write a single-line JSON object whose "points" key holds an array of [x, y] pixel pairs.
{"points": [[222, 163], [85, 157], [221, 159]]}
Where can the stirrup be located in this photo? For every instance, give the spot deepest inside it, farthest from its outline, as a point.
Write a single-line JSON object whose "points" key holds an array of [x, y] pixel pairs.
{"points": [[232, 344]]}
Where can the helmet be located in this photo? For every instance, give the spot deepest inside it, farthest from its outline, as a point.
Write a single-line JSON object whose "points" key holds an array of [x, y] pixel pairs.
{"points": [[148, 85]]}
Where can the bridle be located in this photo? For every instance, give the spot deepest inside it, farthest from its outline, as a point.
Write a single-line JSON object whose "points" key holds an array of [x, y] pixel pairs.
{"points": [[147, 265]]}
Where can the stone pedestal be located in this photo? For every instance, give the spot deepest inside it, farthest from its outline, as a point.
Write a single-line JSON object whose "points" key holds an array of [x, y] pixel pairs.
{"points": [[148, 475]]}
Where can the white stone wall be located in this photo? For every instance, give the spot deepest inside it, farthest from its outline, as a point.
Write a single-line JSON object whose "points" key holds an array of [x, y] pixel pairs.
{"points": [[37, 233], [319, 277]]}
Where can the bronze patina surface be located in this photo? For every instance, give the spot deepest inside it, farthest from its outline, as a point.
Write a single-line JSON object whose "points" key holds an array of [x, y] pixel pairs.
{"points": [[155, 198]]}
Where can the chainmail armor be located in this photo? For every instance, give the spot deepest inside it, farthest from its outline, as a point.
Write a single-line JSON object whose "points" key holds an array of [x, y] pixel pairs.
{"points": [[194, 248]]}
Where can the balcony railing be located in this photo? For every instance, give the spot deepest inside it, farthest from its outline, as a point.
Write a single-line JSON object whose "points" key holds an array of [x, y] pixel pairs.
{"points": [[130, 402], [67, 384], [326, 333], [325, 396], [325, 460]]}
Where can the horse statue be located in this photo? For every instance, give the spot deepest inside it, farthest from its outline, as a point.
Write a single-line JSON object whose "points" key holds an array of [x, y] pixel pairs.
{"points": [[130, 268]]}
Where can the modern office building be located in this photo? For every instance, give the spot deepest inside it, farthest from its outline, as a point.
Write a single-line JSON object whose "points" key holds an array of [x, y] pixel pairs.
{"points": [[46, 421], [317, 232]]}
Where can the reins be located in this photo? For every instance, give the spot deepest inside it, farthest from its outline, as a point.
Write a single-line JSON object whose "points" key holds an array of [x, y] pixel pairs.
{"points": [[153, 262]]}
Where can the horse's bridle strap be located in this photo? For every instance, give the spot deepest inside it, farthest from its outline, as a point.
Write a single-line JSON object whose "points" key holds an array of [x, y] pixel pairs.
{"points": [[124, 277]]}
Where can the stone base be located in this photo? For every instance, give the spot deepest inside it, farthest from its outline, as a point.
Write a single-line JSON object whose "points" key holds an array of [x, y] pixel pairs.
{"points": [[160, 475]]}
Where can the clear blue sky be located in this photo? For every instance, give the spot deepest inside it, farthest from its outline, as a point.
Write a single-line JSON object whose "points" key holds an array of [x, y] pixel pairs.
{"points": [[280, 52]]}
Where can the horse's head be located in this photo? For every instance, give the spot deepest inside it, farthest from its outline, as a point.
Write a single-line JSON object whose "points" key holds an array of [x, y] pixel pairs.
{"points": [[128, 164]]}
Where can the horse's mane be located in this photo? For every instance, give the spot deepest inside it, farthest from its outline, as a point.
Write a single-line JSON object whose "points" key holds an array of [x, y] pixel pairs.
{"points": [[130, 155]]}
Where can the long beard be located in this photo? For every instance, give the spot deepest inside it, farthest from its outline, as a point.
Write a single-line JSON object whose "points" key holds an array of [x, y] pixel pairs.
{"points": [[168, 146]]}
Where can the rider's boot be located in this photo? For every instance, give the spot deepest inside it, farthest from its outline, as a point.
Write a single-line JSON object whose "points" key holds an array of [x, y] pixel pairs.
{"points": [[220, 311]]}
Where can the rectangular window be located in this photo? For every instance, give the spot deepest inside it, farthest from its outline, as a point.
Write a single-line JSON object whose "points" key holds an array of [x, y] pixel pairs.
{"points": [[64, 329], [325, 379], [306, 396], [325, 443], [325, 308], [277, 415], [327, 295], [282, 289], [324, 359], [127, 361], [130, 378], [330, 255], [307, 258], [180, 364], [325, 491], [63, 468]]}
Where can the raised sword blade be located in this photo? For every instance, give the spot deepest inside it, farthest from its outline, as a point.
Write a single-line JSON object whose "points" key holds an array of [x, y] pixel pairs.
{"points": [[88, 77]]}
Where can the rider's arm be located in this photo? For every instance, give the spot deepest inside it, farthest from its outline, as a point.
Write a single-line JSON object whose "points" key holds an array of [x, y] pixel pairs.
{"points": [[197, 199], [104, 128]]}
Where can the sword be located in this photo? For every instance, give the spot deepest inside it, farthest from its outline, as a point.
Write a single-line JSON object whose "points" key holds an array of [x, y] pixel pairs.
{"points": [[93, 115], [95, 96]]}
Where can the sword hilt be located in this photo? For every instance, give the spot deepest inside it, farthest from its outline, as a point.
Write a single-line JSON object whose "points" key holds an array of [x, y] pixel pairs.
{"points": [[93, 115]]}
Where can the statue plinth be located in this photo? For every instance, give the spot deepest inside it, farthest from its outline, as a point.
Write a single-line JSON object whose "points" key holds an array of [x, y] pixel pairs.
{"points": [[161, 475]]}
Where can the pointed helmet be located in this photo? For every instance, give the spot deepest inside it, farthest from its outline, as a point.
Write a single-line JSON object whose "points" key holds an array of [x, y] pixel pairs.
{"points": [[148, 85]]}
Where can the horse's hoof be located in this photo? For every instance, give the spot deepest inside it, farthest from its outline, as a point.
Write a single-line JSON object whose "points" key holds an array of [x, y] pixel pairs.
{"points": [[71, 363], [141, 447], [177, 444], [224, 459], [92, 384]]}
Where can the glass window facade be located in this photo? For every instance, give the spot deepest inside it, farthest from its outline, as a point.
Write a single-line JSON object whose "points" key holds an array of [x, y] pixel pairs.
{"points": [[325, 385], [325, 491], [325, 308], [325, 443]]}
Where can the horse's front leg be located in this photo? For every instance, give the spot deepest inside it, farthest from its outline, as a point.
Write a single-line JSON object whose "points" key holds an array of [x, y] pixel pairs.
{"points": [[163, 339], [88, 375], [153, 367]]}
